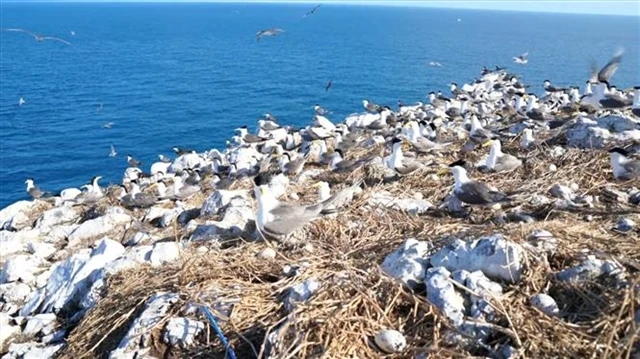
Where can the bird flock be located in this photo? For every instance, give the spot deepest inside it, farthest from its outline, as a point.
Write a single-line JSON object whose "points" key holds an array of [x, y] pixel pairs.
{"points": [[401, 141]]}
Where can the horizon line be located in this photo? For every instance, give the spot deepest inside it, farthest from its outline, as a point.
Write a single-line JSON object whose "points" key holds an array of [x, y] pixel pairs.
{"points": [[382, 3]]}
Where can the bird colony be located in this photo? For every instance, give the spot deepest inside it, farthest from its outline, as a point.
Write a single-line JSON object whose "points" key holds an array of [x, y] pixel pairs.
{"points": [[487, 222]]}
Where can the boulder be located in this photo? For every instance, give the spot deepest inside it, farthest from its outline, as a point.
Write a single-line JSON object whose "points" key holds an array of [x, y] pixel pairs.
{"points": [[14, 214], [442, 294], [220, 199], [163, 253], [408, 263], [300, 293], [182, 331], [57, 216], [114, 217], [409, 205]]}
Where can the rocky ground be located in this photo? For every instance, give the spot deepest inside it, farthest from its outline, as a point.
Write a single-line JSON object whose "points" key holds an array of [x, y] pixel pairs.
{"points": [[401, 271]]}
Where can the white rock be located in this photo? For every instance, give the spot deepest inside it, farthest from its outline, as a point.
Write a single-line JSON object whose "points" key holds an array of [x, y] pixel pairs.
{"points": [[589, 269], [15, 292], [8, 213], [32, 350], [409, 205], [54, 337], [101, 226], [442, 294], [616, 123], [560, 191], [182, 331], [41, 249], [44, 323], [545, 303], [73, 279], [138, 238], [21, 267], [133, 257], [15, 242], [543, 240], [267, 253], [234, 224], [496, 257], [390, 341], [219, 200], [137, 338], [60, 233], [408, 263], [300, 293], [485, 289], [8, 330], [186, 161], [57, 216], [163, 253]]}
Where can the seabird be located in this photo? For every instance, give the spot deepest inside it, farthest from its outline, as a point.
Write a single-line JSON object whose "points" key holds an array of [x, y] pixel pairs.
{"points": [[164, 159], [435, 64], [73, 33], [613, 100], [268, 32], [473, 192], [34, 191], [527, 138], [339, 165], [278, 220], [328, 86], [371, 107], [624, 168], [133, 162], [136, 199], [183, 190], [291, 167], [421, 144], [247, 137], [479, 133], [182, 151], [268, 125], [499, 161], [21, 101], [605, 74], [93, 192], [108, 125], [113, 152], [312, 11], [398, 162], [550, 88], [635, 108], [38, 37], [319, 110], [522, 59]]}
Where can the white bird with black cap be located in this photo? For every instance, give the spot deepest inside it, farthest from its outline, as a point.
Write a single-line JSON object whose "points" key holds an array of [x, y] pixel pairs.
{"points": [[474, 192]]}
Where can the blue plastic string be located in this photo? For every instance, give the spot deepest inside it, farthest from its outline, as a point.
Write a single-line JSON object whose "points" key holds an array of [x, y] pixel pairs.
{"points": [[216, 327]]}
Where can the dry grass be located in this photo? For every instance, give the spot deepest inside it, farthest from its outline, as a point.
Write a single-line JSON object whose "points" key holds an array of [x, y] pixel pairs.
{"points": [[356, 299]]}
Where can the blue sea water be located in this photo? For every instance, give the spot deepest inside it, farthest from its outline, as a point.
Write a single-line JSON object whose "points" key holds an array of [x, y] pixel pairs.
{"points": [[187, 74]]}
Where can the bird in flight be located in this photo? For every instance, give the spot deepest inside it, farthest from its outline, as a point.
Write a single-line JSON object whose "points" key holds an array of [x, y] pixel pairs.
{"points": [[269, 32], [39, 38], [108, 125], [522, 59], [435, 64], [113, 152], [328, 86], [73, 33], [21, 101], [312, 11]]}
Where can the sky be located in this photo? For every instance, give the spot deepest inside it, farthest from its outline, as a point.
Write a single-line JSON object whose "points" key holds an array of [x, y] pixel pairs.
{"points": [[603, 7]]}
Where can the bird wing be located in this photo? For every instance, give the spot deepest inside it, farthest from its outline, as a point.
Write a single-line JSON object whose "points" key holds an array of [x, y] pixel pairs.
{"points": [[285, 226], [479, 193], [408, 166], [507, 162], [289, 211], [21, 30], [524, 56], [632, 169], [56, 39], [610, 68]]}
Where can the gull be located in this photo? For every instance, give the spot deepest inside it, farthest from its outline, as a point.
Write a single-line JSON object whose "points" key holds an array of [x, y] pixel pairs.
{"points": [[623, 167], [182, 151], [108, 125], [339, 165], [278, 220], [164, 159], [92, 194], [527, 138], [421, 144], [323, 122], [113, 152], [38, 37], [499, 161], [291, 167], [132, 161], [371, 107], [398, 162], [34, 191], [312, 11], [473, 192], [522, 59], [435, 64], [319, 110], [550, 88], [136, 199], [328, 86], [268, 32], [479, 133]]}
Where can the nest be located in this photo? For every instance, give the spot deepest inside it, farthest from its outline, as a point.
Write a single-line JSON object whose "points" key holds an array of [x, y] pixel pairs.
{"points": [[356, 299]]}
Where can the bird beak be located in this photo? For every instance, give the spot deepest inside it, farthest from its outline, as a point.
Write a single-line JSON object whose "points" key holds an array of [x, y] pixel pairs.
{"points": [[263, 190], [487, 144], [315, 185]]}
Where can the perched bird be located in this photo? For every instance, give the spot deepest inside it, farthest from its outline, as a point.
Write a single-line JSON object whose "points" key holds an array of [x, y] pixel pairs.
{"points": [[312, 11], [371, 107], [522, 59], [421, 144], [164, 159], [92, 194], [137, 199], [278, 220], [624, 168], [34, 191], [328, 85], [182, 151], [133, 162], [291, 167], [499, 161], [38, 37], [319, 110], [473, 192], [478, 133], [112, 152], [338, 164], [398, 162], [21, 101], [550, 88], [268, 32]]}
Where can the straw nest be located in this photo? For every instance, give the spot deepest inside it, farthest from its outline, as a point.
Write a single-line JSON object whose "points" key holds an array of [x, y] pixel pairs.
{"points": [[356, 299]]}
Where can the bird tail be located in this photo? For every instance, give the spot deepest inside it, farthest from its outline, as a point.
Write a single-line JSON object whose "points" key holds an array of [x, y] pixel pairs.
{"points": [[341, 196]]}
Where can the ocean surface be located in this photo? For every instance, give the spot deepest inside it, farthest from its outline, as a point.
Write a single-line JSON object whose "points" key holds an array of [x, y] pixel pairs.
{"points": [[188, 74]]}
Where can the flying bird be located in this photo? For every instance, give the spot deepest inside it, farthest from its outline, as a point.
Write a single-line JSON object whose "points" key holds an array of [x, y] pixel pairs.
{"points": [[73, 33], [312, 11], [38, 37], [21, 101], [113, 152], [605, 74], [269, 32], [435, 64], [108, 125], [328, 86], [522, 59]]}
